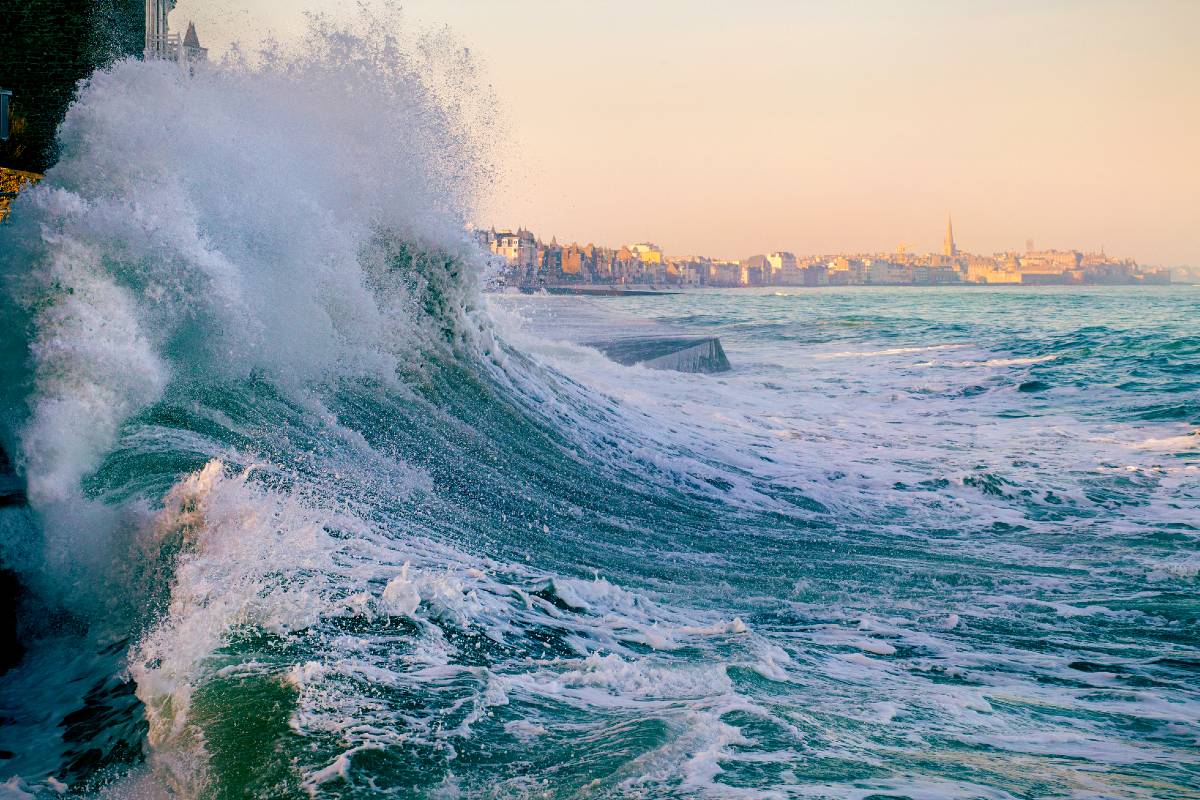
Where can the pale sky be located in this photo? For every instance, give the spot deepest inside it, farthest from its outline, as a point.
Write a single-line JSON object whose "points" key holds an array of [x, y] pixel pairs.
{"points": [[739, 127]]}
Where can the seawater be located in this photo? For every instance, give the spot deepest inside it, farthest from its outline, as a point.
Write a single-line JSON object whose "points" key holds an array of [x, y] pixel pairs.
{"points": [[311, 515]]}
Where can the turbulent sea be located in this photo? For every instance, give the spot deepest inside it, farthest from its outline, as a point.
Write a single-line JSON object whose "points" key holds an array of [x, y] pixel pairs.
{"points": [[311, 515]]}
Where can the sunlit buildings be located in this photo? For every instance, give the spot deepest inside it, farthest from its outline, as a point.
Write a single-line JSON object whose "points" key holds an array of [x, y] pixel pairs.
{"points": [[647, 253], [532, 263], [518, 248]]}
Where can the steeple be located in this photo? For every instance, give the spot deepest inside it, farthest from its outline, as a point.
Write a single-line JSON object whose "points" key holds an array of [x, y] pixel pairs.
{"points": [[949, 250]]}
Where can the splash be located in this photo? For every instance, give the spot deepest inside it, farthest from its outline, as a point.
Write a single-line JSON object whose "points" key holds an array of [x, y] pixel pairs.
{"points": [[299, 221]]}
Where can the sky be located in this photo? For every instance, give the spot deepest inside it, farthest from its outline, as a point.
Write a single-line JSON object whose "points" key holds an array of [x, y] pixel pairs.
{"points": [[733, 128]]}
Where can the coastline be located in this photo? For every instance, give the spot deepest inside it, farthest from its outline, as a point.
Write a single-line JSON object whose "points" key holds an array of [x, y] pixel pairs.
{"points": [[609, 290]]}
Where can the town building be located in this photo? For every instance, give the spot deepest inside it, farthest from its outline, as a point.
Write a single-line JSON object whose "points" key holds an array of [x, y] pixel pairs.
{"points": [[162, 44], [647, 252]]}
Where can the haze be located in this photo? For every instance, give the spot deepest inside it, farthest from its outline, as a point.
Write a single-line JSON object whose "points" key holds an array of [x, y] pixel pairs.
{"points": [[728, 129]]}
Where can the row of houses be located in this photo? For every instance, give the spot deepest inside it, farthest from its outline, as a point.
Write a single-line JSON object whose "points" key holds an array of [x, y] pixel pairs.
{"points": [[531, 262]]}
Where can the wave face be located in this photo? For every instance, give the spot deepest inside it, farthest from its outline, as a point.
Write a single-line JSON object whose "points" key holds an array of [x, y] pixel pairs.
{"points": [[309, 516]]}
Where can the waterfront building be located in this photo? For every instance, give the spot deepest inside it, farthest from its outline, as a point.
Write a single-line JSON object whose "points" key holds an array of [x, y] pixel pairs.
{"points": [[845, 271], [1111, 274], [518, 248], [592, 268], [573, 262], [647, 252], [791, 276], [838, 271], [783, 266], [1050, 262], [756, 271], [162, 44], [725, 273], [883, 272], [46, 48], [991, 270], [192, 51], [816, 275], [625, 263], [548, 260], [687, 271], [935, 274]]}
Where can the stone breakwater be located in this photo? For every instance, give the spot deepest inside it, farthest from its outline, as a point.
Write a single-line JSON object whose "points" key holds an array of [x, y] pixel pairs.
{"points": [[677, 353]]}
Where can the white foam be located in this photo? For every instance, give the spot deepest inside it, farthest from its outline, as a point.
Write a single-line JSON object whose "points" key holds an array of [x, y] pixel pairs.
{"points": [[733, 626], [524, 730], [16, 789], [401, 596], [875, 647], [338, 770]]}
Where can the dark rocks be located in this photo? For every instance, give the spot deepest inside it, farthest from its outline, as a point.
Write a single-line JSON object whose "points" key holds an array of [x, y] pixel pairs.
{"points": [[12, 493]]}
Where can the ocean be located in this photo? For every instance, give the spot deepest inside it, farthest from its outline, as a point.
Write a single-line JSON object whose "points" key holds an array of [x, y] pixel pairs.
{"points": [[313, 515]]}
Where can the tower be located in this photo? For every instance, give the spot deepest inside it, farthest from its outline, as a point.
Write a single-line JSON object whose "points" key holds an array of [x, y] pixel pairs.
{"points": [[156, 28], [949, 250], [190, 51]]}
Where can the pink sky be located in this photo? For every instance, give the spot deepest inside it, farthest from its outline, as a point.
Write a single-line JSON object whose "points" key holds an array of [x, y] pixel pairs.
{"points": [[730, 128]]}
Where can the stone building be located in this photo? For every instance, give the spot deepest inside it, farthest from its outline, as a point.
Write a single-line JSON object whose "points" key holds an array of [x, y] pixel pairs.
{"points": [[519, 248], [162, 44]]}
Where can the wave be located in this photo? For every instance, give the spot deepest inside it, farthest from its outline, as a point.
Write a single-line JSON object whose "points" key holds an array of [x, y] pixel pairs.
{"points": [[210, 250], [262, 223], [290, 496]]}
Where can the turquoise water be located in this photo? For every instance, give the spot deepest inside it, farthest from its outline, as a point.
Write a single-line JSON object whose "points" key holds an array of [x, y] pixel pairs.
{"points": [[310, 515], [985, 583]]}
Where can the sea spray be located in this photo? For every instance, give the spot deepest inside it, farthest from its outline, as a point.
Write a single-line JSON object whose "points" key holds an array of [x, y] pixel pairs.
{"points": [[298, 221]]}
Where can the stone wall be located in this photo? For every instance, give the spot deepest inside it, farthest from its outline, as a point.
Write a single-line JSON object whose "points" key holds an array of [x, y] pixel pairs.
{"points": [[46, 48]]}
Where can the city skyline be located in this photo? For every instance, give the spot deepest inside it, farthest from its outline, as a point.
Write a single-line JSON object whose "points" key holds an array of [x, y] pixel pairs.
{"points": [[530, 261], [713, 128], [950, 247]]}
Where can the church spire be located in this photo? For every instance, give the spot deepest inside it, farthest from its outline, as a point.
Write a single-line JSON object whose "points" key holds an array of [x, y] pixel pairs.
{"points": [[949, 249]]}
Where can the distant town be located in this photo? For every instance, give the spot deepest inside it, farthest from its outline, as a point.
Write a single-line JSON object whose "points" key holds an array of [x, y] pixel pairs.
{"points": [[528, 262]]}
